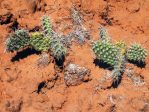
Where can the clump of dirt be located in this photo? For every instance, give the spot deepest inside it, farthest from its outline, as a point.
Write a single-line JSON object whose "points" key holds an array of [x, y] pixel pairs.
{"points": [[26, 87]]}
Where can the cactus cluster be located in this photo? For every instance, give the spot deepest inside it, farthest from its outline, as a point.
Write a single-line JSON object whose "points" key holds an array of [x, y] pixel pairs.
{"points": [[113, 54], [105, 52], [38, 42], [49, 40], [17, 40], [117, 54]]}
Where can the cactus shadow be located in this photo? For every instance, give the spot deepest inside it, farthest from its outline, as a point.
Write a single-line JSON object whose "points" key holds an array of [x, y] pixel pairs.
{"points": [[23, 54], [41, 85], [101, 64], [138, 64], [60, 62], [115, 84]]}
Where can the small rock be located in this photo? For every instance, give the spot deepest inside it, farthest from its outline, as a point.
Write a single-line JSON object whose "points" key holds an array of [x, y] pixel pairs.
{"points": [[44, 60], [75, 75]]}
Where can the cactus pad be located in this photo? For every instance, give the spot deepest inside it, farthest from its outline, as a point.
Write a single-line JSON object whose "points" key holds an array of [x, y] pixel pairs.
{"points": [[18, 40], [39, 43], [136, 53], [57, 48], [47, 26], [106, 52], [119, 66]]}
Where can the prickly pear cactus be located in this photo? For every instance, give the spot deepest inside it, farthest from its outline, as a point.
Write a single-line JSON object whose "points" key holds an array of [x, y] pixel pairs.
{"points": [[47, 26], [38, 42], [105, 52], [18, 40], [104, 35], [136, 53], [57, 48]]}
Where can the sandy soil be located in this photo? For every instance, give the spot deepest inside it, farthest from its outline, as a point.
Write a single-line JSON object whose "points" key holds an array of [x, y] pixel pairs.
{"points": [[126, 20]]}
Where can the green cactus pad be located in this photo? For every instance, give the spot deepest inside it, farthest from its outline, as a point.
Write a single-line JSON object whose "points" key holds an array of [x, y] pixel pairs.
{"points": [[47, 26], [136, 53], [18, 40], [105, 51], [38, 42], [57, 48]]}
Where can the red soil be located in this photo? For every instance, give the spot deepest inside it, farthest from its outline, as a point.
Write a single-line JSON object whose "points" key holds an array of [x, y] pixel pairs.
{"points": [[19, 79]]}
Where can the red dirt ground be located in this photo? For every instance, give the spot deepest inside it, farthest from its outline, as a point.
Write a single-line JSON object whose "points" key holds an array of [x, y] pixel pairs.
{"points": [[19, 79]]}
